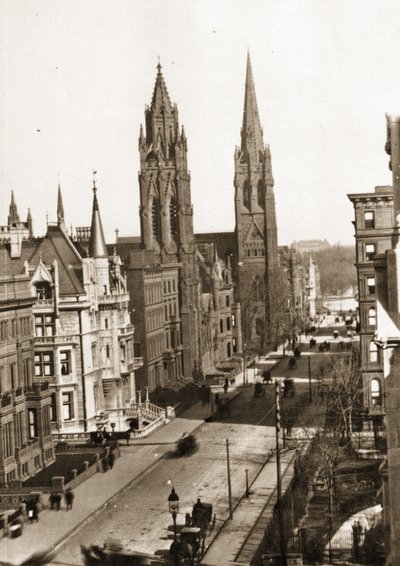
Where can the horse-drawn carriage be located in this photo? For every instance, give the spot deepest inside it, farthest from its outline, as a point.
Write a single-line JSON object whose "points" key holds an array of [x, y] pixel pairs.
{"points": [[189, 548], [116, 555]]}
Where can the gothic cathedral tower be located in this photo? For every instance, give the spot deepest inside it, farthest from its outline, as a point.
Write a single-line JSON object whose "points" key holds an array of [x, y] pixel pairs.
{"points": [[166, 212], [256, 232]]}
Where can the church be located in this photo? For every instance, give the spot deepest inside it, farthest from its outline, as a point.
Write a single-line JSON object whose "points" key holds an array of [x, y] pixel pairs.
{"points": [[201, 301]]}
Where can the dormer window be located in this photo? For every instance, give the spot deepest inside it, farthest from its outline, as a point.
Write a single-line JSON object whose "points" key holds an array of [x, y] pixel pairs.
{"points": [[43, 291]]}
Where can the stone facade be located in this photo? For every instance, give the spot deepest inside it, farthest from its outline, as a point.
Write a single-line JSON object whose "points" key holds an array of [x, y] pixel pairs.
{"points": [[373, 232], [166, 212], [256, 231], [83, 337], [26, 444], [387, 275]]}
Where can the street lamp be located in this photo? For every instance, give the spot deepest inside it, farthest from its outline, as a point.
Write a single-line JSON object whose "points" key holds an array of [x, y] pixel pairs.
{"points": [[173, 506], [244, 365]]}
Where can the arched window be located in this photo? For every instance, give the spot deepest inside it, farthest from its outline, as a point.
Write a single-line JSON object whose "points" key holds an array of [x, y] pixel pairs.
{"points": [[156, 220], [376, 392], [174, 218], [373, 352], [229, 350], [260, 193], [258, 291], [259, 327], [372, 316], [246, 194]]}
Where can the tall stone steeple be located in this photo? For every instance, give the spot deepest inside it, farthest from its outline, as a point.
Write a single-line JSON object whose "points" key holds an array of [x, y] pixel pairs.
{"points": [[166, 212], [29, 223], [97, 242], [60, 209], [252, 135], [13, 216], [256, 232]]}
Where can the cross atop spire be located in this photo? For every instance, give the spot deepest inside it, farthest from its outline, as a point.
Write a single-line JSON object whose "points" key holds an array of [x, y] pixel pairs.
{"points": [[13, 215], [252, 134], [97, 242]]}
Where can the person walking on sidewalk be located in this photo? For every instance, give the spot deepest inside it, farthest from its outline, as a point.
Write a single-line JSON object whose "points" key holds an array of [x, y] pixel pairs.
{"points": [[69, 498], [226, 385], [111, 460]]}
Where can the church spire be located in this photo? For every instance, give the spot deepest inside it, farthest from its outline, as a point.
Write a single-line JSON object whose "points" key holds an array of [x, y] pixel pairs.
{"points": [[60, 209], [97, 243], [252, 134], [13, 215], [160, 101], [29, 223]]}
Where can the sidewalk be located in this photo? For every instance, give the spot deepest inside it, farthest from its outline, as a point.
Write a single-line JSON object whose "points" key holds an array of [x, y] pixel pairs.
{"points": [[93, 494], [239, 538]]}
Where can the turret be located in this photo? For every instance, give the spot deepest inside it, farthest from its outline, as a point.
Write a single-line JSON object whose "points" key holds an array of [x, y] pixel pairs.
{"points": [[97, 243]]}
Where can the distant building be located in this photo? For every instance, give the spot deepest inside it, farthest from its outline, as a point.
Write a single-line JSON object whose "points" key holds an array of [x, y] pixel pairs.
{"points": [[313, 289], [310, 246], [373, 232]]}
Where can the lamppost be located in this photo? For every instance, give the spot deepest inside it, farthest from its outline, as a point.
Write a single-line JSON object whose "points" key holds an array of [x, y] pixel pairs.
{"points": [[173, 506], [244, 365]]}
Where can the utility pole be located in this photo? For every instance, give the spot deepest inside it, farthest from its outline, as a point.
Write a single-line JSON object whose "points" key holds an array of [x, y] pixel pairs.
{"points": [[309, 377], [281, 526], [229, 480]]}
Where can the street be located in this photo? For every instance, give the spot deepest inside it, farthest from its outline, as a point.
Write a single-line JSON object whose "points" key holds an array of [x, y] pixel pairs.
{"points": [[139, 516]]}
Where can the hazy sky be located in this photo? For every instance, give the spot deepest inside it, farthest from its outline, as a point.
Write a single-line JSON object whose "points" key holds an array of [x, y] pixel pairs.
{"points": [[78, 74]]}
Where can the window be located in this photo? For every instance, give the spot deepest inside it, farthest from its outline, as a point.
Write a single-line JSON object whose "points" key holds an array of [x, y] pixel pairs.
{"points": [[107, 351], [44, 364], [227, 300], [372, 317], [174, 218], [369, 219], [373, 352], [94, 357], [233, 321], [246, 194], [13, 375], [370, 250], [371, 285], [234, 345], [43, 291], [19, 429], [228, 323], [106, 323], [221, 325], [229, 350], [32, 423], [65, 362], [67, 405], [53, 407], [27, 372], [44, 325], [7, 440], [376, 396]]}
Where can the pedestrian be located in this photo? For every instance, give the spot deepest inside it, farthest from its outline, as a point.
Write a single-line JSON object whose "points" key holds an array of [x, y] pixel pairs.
{"points": [[52, 500], [33, 512], [69, 498], [226, 385], [57, 500], [111, 459], [104, 464]]}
